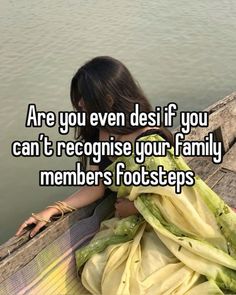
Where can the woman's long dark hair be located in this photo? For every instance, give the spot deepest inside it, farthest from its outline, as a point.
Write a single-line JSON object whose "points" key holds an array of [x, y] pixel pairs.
{"points": [[106, 85]]}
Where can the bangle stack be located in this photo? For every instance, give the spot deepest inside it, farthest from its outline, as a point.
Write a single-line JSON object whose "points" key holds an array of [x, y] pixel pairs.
{"points": [[62, 207]]}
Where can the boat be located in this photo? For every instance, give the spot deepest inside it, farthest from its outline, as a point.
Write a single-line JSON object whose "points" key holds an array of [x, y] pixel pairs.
{"points": [[45, 264]]}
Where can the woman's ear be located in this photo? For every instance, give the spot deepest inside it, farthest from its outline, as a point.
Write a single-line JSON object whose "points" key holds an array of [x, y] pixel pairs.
{"points": [[110, 101]]}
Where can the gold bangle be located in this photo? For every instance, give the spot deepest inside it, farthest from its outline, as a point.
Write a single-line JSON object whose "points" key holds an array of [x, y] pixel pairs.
{"points": [[56, 207], [62, 207], [67, 205], [59, 209], [39, 218]]}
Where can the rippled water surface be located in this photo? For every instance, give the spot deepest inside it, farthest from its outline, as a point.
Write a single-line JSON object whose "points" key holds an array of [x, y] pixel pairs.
{"points": [[182, 51]]}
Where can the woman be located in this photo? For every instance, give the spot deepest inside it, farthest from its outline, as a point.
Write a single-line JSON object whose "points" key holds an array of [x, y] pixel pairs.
{"points": [[159, 242]]}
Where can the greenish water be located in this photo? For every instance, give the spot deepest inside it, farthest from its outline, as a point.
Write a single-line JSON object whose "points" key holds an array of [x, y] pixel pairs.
{"points": [[182, 51]]}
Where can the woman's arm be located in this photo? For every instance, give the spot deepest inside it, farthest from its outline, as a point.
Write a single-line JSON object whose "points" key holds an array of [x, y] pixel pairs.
{"points": [[79, 199], [85, 196]]}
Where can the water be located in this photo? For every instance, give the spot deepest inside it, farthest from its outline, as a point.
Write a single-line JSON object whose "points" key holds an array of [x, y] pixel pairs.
{"points": [[182, 51]]}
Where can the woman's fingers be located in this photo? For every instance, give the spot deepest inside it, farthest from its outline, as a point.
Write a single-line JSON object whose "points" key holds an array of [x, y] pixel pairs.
{"points": [[38, 226], [120, 200], [117, 214], [21, 229], [125, 208], [29, 221], [120, 203], [23, 226]]}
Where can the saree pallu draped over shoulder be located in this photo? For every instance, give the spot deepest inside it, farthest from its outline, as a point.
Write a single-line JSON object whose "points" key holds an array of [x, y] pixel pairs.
{"points": [[178, 243]]}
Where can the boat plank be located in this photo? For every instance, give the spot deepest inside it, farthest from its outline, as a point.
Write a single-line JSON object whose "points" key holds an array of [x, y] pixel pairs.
{"points": [[230, 159], [220, 177], [225, 186], [18, 251], [204, 167]]}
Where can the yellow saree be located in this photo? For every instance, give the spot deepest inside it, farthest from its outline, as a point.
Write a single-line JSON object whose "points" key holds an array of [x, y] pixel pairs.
{"points": [[178, 243]]}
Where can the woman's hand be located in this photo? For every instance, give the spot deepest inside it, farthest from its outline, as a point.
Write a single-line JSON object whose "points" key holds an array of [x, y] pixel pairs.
{"points": [[124, 208], [45, 214], [79, 199]]}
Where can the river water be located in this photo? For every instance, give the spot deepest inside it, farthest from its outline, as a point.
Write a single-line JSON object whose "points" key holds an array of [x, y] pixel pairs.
{"points": [[182, 51]]}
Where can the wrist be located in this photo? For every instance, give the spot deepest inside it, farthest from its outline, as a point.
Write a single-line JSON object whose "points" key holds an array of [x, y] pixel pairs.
{"points": [[53, 211], [60, 207]]}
